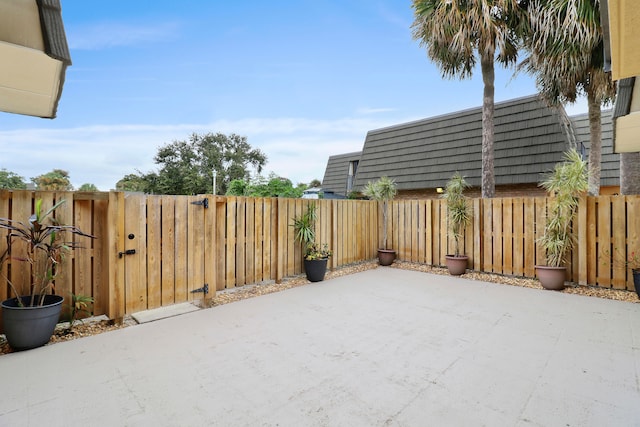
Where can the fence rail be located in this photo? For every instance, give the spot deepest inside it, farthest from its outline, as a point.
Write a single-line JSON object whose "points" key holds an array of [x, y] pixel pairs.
{"points": [[240, 240]]}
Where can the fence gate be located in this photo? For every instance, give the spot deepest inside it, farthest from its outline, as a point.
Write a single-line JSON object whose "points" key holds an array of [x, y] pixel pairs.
{"points": [[164, 251]]}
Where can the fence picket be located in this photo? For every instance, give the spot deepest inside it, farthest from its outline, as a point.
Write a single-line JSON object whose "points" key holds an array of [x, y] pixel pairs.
{"points": [[618, 228], [517, 252], [603, 241], [154, 252], [632, 246], [168, 250], [181, 284]]}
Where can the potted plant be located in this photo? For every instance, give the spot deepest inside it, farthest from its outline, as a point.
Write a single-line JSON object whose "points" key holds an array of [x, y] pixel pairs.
{"points": [[565, 185], [315, 254], [458, 215], [633, 262], [382, 190], [31, 315]]}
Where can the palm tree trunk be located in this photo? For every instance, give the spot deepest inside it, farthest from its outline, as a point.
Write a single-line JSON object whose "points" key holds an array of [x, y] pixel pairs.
{"points": [[488, 78], [629, 173], [595, 147], [384, 225]]}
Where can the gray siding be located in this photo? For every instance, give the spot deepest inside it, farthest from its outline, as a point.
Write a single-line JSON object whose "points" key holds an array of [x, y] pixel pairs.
{"points": [[529, 140], [610, 164], [337, 171]]}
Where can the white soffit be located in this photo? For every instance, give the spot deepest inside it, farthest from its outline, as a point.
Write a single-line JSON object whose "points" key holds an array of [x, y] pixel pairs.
{"points": [[628, 133], [29, 81]]}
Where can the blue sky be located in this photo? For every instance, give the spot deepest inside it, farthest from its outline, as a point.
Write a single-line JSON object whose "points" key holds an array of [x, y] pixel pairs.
{"points": [[302, 80]]}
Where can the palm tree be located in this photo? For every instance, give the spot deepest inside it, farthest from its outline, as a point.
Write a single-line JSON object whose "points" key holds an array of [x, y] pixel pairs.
{"points": [[566, 57], [458, 32]]}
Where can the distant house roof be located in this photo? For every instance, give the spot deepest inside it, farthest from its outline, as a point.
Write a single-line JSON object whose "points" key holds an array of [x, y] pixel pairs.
{"points": [[337, 172], [530, 138], [610, 163]]}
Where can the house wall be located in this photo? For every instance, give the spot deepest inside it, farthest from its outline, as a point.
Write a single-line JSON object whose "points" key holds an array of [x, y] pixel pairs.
{"points": [[523, 190], [515, 190]]}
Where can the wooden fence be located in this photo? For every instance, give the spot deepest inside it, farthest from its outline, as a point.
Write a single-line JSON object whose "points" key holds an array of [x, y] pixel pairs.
{"points": [[152, 251], [502, 236], [181, 245]]}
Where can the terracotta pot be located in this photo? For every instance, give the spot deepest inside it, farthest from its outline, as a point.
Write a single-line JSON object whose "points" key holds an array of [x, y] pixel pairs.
{"points": [[457, 265], [386, 256], [551, 278]]}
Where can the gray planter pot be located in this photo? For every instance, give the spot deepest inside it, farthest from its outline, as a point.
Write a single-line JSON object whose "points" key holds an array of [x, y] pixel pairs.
{"points": [[30, 327]]}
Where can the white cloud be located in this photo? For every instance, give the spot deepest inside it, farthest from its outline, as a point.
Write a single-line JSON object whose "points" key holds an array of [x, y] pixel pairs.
{"points": [[109, 35], [296, 148]]}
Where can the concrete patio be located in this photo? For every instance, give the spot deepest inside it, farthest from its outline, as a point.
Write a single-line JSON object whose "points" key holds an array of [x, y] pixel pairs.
{"points": [[385, 347]]}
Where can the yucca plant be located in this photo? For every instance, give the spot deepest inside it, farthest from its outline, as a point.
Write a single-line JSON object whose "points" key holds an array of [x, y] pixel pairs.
{"points": [[458, 209], [565, 184], [305, 233], [382, 190]]}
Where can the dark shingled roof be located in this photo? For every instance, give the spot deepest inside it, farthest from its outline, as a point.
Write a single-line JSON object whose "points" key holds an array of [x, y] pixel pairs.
{"points": [[335, 175], [530, 138], [55, 40], [610, 164]]}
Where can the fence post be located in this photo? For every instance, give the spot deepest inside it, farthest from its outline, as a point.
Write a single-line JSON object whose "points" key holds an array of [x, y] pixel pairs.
{"points": [[281, 245], [115, 272], [210, 250]]}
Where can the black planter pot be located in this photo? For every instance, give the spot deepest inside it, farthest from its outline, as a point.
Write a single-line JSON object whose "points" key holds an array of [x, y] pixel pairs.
{"points": [[315, 269], [30, 327], [636, 280]]}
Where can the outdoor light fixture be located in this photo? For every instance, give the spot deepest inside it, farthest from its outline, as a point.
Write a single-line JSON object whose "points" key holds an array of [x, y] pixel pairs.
{"points": [[439, 190], [215, 174]]}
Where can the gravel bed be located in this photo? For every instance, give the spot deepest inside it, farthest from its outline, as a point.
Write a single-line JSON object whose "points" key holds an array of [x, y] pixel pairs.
{"points": [[88, 328]]}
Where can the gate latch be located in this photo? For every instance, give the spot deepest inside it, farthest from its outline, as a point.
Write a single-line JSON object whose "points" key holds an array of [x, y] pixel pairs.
{"points": [[127, 252]]}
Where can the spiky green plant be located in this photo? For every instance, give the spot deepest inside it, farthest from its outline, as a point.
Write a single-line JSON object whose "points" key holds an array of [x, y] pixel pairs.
{"points": [[383, 190], [44, 249], [304, 226], [80, 304], [458, 209], [305, 232], [565, 184]]}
